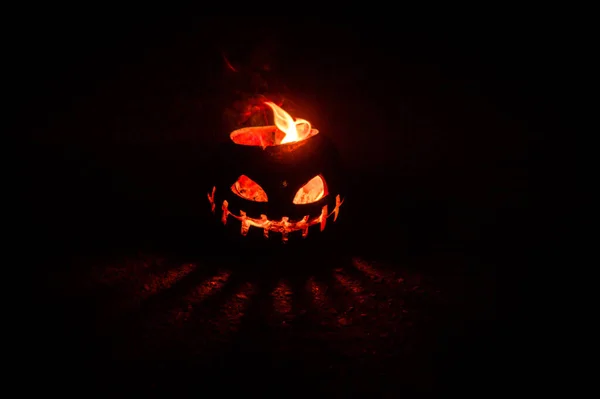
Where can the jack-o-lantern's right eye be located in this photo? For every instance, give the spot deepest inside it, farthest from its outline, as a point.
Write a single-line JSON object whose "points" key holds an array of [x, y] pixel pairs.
{"points": [[249, 189], [312, 191]]}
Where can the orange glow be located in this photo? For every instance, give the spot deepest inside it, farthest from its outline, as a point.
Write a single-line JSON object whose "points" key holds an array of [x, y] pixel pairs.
{"points": [[207, 288], [199, 294], [228, 64], [282, 298], [248, 189], [234, 309], [163, 281], [297, 130], [318, 291], [258, 136], [349, 284], [369, 270], [312, 191]]}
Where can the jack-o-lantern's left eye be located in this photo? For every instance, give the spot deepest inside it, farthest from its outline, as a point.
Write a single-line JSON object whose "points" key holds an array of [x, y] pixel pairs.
{"points": [[248, 189], [312, 191]]}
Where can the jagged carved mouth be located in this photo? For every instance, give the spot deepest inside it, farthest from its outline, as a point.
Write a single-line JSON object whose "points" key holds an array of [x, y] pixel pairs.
{"points": [[283, 226]]}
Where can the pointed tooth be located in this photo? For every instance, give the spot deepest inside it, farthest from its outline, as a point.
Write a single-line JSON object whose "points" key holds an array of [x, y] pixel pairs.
{"points": [[265, 224], [323, 217], [284, 230], [225, 211], [244, 223], [337, 207], [305, 226], [211, 199]]}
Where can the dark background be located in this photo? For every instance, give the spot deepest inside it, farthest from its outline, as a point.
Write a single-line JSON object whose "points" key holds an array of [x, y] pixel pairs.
{"points": [[123, 113], [435, 124]]}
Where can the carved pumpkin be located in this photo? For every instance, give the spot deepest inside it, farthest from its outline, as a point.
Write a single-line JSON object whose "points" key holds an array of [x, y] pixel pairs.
{"points": [[277, 182]]}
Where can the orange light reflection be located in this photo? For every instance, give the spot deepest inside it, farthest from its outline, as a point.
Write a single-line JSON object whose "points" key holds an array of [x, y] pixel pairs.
{"points": [[348, 283], [232, 311], [207, 288], [162, 281], [368, 270], [282, 298]]}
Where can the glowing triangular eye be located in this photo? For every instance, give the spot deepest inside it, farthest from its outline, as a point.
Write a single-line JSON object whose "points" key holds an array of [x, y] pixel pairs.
{"points": [[249, 189], [312, 191]]}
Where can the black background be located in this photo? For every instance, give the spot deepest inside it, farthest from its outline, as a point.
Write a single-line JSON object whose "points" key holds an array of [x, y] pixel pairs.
{"points": [[435, 124], [123, 111]]}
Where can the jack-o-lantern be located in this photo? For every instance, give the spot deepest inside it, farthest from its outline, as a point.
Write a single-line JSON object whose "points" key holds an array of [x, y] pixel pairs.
{"points": [[277, 182]]}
